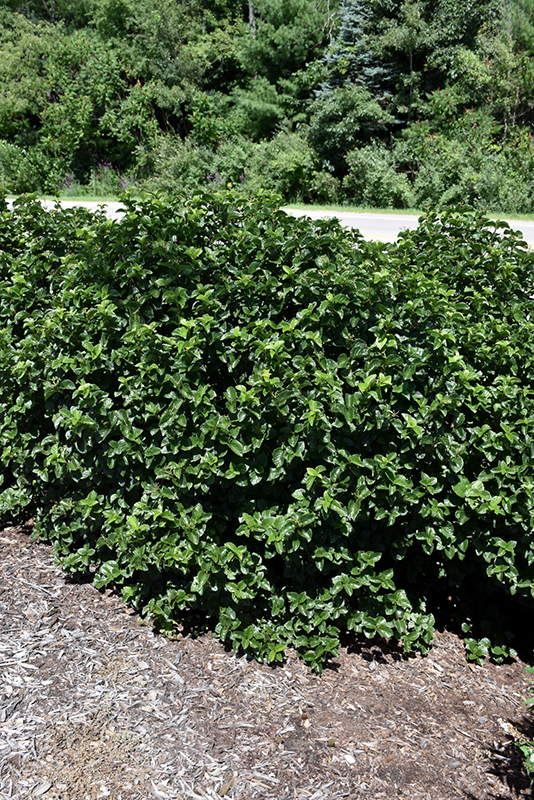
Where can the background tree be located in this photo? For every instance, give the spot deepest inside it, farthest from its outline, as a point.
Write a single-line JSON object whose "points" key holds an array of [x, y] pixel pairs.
{"points": [[352, 56], [288, 34], [522, 24], [23, 85], [406, 39], [191, 89]]}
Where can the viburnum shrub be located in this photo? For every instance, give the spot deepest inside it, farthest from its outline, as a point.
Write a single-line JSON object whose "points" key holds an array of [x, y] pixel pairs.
{"points": [[271, 424]]}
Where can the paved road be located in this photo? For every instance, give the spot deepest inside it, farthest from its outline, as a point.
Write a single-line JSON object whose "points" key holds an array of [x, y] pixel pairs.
{"points": [[383, 227], [386, 227], [112, 209]]}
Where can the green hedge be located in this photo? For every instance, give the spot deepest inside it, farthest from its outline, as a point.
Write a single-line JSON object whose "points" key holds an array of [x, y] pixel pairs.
{"points": [[270, 423]]}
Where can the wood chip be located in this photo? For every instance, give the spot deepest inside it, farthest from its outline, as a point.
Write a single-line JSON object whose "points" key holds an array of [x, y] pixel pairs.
{"points": [[94, 704]]}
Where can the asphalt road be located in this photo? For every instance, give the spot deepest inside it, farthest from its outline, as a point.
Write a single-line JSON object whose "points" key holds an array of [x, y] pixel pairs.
{"points": [[386, 227], [383, 227]]}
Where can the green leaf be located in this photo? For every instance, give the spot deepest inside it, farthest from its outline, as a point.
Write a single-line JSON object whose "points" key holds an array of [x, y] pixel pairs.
{"points": [[237, 447]]}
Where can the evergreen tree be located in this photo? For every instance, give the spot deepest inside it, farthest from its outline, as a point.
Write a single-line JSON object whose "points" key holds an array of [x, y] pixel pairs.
{"points": [[284, 36], [406, 39], [352, 57]]}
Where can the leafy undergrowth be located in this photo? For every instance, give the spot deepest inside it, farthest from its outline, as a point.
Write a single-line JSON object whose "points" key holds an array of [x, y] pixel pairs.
{"points": [[224, 411]]}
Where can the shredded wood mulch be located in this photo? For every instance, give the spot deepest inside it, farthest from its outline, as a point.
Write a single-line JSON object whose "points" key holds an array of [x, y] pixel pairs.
{"points": [[95, 704]]}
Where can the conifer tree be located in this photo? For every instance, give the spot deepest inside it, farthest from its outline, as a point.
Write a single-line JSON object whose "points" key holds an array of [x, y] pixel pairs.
{"points": [[352, 57]]}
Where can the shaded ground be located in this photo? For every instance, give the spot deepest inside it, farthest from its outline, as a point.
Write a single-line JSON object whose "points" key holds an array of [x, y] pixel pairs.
{"points": [[94, 704]]}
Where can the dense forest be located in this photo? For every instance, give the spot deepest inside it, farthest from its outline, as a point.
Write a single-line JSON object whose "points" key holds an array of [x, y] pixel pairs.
{"points": [[391, 103]]}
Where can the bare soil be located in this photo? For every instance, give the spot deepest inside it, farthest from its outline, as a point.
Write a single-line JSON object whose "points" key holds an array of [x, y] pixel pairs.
{"points": [[94, 703]]}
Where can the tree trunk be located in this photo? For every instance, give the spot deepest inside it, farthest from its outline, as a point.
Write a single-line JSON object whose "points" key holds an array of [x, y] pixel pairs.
{"points": [[251, 19]]}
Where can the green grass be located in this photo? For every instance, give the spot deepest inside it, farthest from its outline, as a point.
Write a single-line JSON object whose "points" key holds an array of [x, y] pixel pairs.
{"points": [[519, 217], [87, 198]]}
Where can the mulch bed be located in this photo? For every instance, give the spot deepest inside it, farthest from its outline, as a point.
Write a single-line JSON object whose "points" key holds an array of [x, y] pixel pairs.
{"points": [[94, 703]]}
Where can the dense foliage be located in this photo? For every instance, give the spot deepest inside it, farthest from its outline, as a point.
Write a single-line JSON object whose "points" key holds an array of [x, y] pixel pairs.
{"points": [[271, 424], [429, 100]]}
